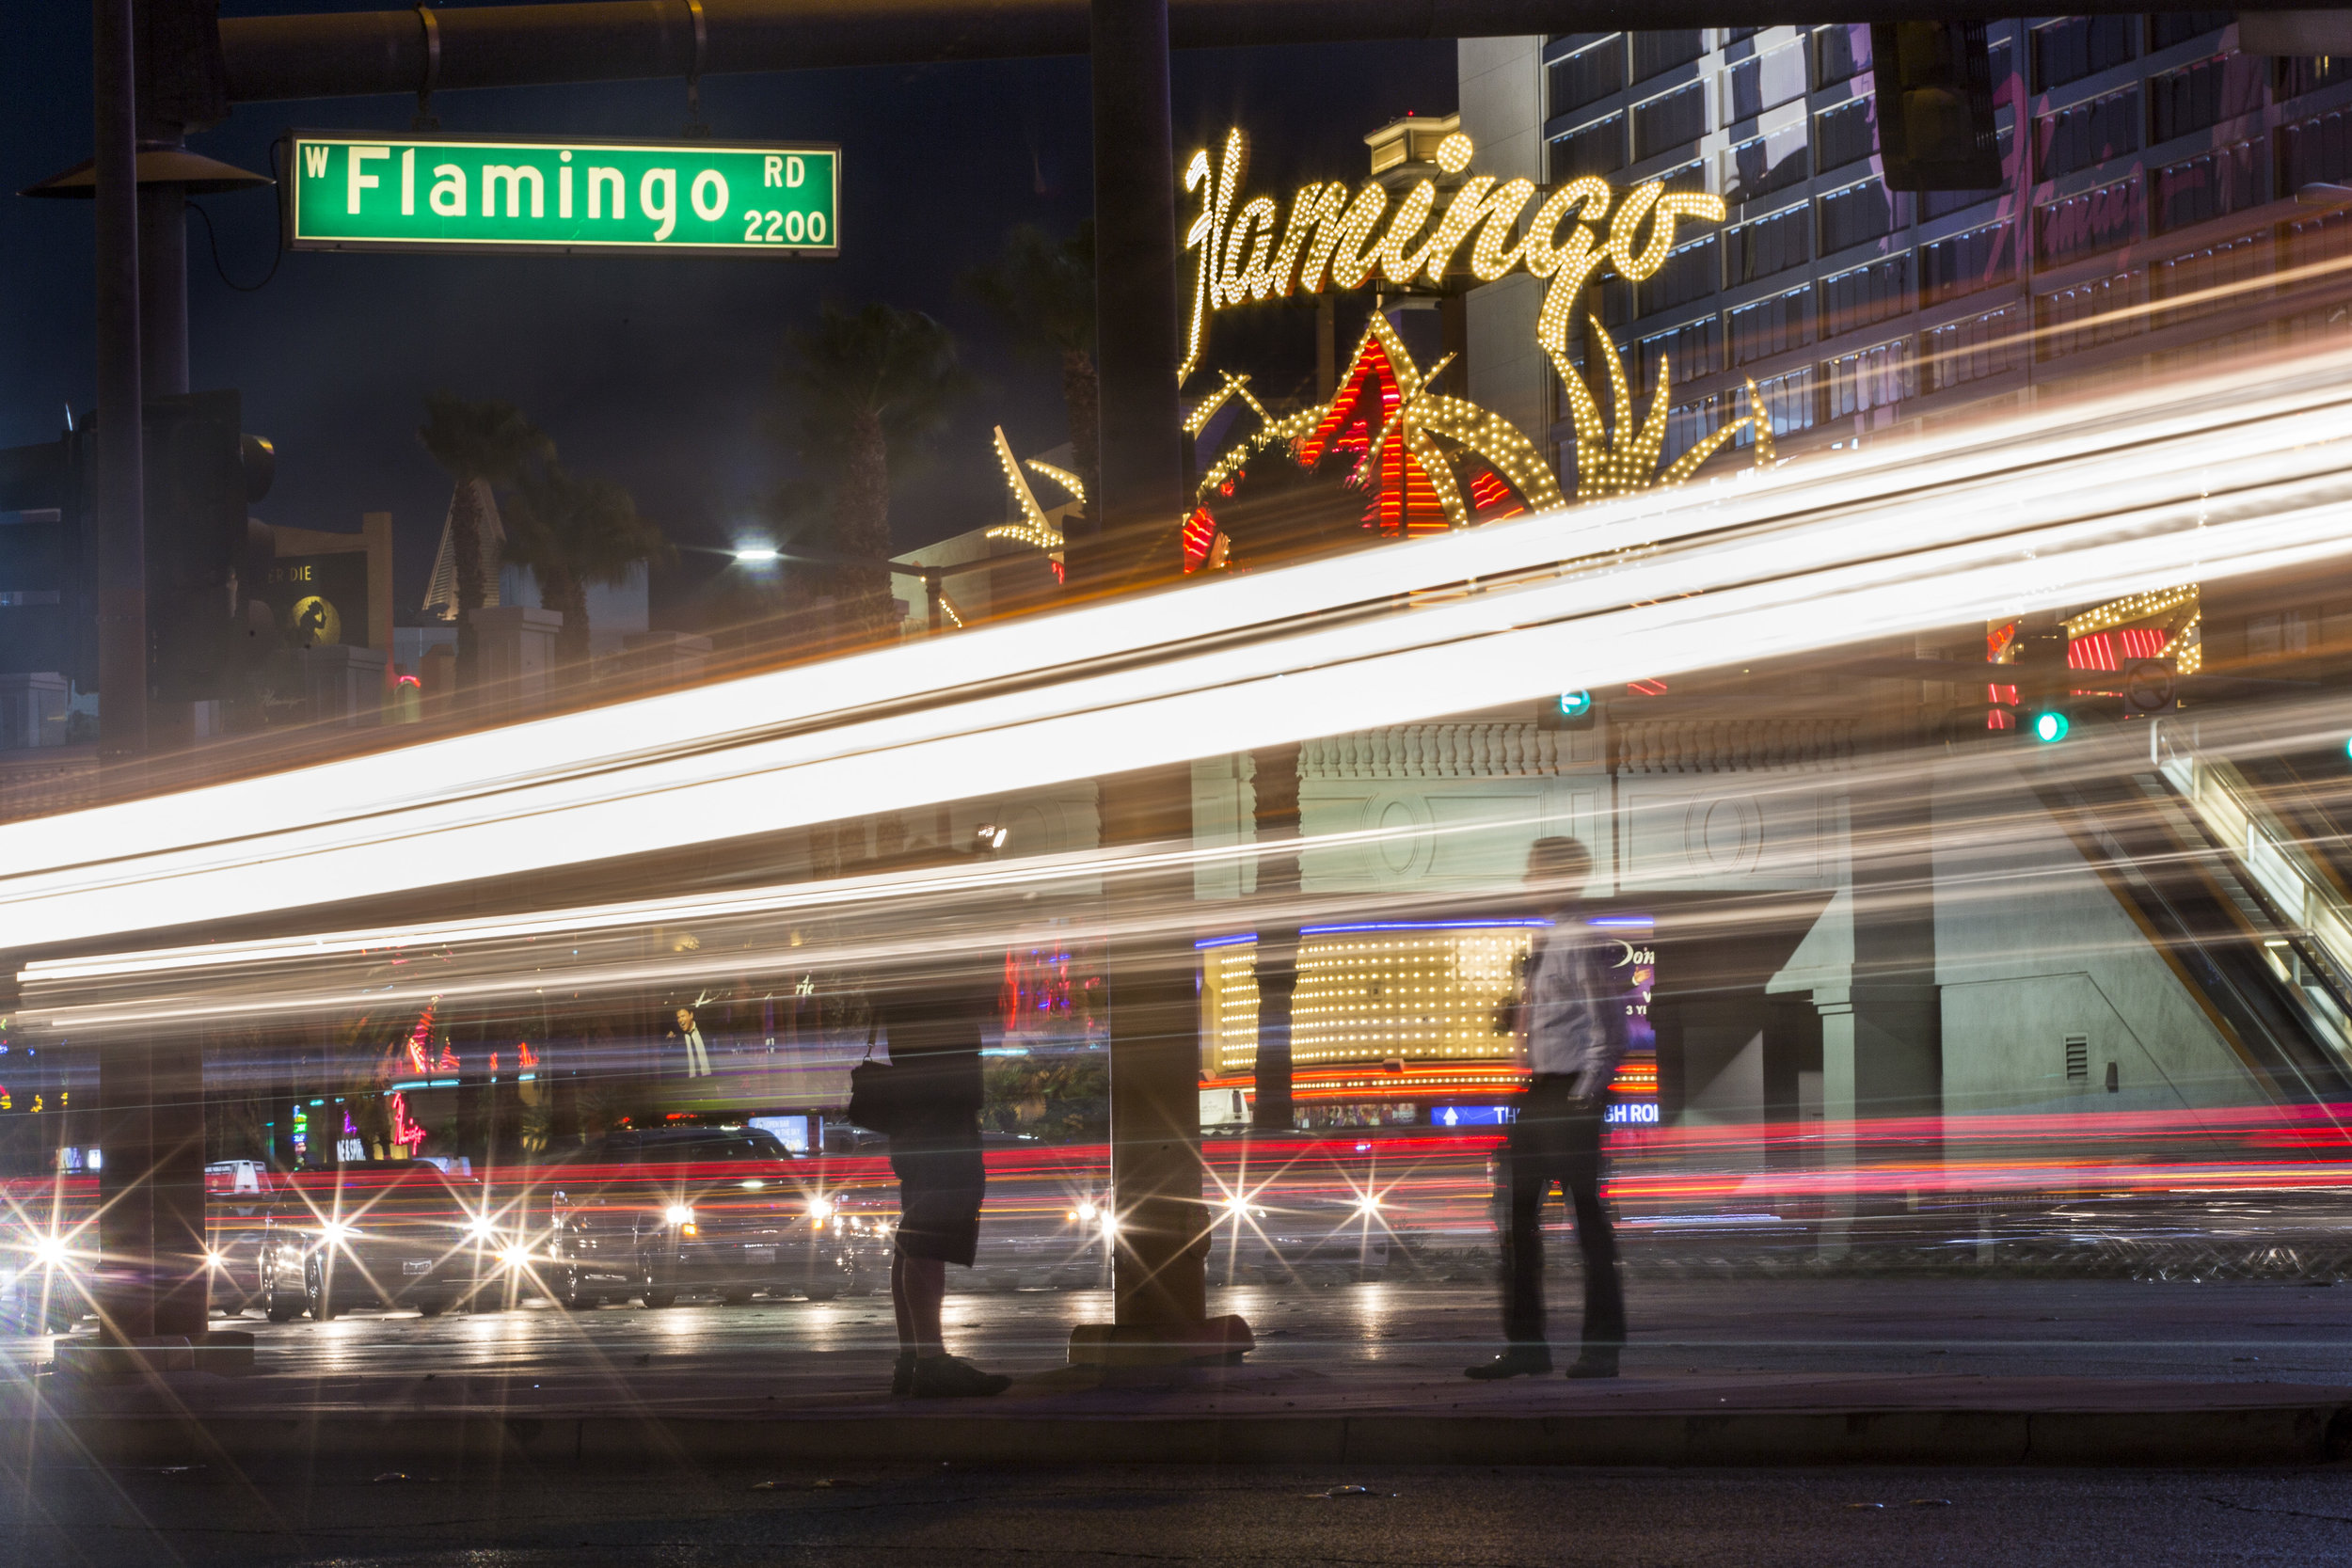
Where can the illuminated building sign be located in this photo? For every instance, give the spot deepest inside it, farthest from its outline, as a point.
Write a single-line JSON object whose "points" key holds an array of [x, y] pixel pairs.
{"points": [[1420, 997], [1251, 248], [346, 192], [320, 598]]}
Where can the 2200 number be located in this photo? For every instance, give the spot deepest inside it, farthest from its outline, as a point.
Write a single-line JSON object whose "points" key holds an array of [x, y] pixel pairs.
{"points": [[785, 229]]}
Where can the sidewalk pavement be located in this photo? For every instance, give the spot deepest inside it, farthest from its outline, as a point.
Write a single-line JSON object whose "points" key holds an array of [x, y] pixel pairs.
{"points": [[1731, 1372]]}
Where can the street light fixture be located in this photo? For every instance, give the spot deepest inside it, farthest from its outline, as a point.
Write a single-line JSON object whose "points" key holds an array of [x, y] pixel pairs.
{"points": [[764, 555]]}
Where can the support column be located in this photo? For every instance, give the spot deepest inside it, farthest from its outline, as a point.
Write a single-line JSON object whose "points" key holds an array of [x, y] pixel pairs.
{"points": [[126, 1234], [1882, 1033], [1160, 1279], [1276, 787], [164, 284], [1135, 294]]}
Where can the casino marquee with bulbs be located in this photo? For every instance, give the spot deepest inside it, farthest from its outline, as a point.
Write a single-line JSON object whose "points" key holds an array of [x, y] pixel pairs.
{"points": [[1734, 785]]}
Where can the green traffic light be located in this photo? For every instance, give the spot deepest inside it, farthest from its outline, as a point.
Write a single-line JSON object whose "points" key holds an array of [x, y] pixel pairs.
{"points": [[1575, 704], [2049, 727]]}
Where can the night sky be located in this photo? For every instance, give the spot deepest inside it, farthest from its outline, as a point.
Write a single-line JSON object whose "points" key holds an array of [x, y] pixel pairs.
{"points": [[652, 370]]}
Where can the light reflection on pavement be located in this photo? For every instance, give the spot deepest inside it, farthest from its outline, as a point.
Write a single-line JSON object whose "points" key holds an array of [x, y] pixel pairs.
{"points": [[1376, 1333]]}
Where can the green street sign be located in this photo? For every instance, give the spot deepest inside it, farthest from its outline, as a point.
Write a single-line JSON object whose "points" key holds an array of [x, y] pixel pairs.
{"points": [[347, 192]]}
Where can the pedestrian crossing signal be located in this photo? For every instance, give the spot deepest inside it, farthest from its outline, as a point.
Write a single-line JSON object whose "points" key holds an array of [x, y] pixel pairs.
{"points": [[1570, 710]]}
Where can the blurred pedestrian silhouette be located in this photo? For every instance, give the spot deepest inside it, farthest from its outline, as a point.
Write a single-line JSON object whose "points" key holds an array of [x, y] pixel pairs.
{"points": [[1572, 1018], [934, 1097]]}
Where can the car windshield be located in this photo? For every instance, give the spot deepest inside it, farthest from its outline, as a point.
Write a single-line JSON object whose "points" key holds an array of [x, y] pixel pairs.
{"points": [[751, 1144]]}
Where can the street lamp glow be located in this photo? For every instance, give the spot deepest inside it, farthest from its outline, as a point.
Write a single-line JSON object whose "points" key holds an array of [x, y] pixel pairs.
{"points": [[758, 554]]}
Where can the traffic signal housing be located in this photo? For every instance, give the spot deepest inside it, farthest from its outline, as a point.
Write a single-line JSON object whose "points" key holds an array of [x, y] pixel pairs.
{"points": [[1934, 82], [203, 471]]}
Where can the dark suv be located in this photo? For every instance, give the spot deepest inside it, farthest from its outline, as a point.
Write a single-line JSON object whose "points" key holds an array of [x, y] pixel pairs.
{"points": [[661, 1212]]}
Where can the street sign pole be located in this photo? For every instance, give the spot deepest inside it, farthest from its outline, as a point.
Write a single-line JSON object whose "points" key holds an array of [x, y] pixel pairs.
{"points": [[1159, 1312], [126, 1231]]}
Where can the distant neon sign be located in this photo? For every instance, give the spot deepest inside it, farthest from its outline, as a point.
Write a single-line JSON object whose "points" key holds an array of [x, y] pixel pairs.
{"points": [[1251, 250]]}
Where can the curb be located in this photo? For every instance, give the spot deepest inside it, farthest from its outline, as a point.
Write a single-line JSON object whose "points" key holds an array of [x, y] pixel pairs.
{"points": [[2309, 1433]]}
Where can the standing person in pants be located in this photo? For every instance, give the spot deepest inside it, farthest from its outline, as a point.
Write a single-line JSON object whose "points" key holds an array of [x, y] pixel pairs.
{"points": [[1573, 1017], [935, 1152]]}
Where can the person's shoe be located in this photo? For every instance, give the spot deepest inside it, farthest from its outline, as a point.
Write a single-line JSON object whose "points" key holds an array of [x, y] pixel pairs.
{"points": [[949, 1377], [1518, 1361], [1594, 1363], [902, 1374]]}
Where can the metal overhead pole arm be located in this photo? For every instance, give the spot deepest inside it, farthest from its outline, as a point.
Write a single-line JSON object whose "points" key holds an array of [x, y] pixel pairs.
{"points": [[359, 53]]}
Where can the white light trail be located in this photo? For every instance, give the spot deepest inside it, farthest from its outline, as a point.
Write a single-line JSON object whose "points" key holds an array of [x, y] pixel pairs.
{"points": [[2244, 475]]}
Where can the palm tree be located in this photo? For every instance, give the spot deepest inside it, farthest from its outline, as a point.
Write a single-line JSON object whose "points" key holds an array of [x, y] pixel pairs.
{"points": [[572, 532], [866, 387], [489, 442], [1041, 290]]}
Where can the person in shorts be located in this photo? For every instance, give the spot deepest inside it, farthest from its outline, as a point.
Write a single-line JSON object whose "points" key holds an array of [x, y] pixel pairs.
{"points": [[935, 1153]]}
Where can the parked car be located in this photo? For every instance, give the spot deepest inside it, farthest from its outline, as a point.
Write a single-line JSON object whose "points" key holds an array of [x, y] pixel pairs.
{"points": [[690, 1209], [377, 1233]]}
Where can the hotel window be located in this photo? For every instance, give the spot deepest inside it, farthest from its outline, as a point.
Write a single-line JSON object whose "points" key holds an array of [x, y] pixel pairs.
{"points": [[1663, 50], [1670, 121], [2087, 134], [2200, 94], [1839, 54], [1864, 296], [1763, 165], [1771, 326], [2302, 74], [1588, 76], [1846, 133], [1688, 425], [1876, 377], [1790, 404], [2093, 221], [1965, 262], [1764, 82], [2228, 180], [1858, 215], [1690, 273], [1687, 352], [2315, 151], [2074, 47], [2166, 28], [1595, 149], [1959, 353], [1769, 244], [2067, 321]]}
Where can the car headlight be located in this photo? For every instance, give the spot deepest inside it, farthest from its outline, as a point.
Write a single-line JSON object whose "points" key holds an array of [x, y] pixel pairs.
{"points": [[819, 1209], [482, 1229], [1368, 1205], [49, 1252], [680, 1214], [515, 1257], [337, 1232], [1087, 1211]]}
